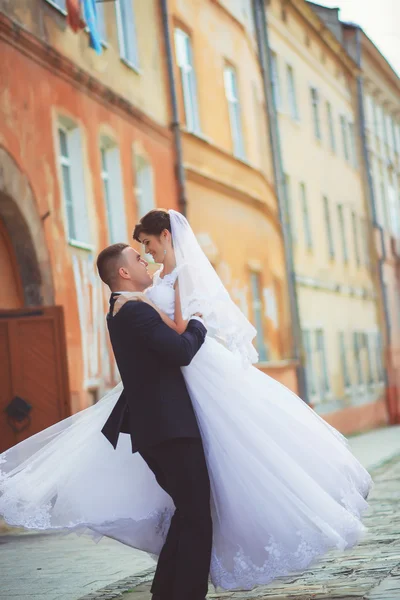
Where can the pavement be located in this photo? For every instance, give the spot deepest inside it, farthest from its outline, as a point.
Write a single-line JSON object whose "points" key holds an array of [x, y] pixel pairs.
{"points": [[68, 567]]}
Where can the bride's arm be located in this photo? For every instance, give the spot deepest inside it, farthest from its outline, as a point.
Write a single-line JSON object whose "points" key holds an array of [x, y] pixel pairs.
{"points": [[140, 297], [179, 321]]}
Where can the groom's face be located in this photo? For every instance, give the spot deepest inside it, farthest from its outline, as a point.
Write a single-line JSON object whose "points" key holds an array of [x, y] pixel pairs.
{"points": [[136, 268]]}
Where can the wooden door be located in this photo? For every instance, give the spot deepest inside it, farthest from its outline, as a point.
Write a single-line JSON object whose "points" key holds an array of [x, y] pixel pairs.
{"points": [[33, 366]]}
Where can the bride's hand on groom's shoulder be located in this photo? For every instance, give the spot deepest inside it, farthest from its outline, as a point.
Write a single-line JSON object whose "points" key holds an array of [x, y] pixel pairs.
{"points": [[129, 297]]}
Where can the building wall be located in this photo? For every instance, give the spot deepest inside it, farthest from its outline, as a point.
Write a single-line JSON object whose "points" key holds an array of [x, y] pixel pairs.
{"points": [[335, 286], [40, 88], [381, 88], [232, 204]]}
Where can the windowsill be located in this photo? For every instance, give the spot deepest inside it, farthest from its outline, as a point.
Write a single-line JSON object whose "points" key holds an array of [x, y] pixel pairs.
{"points": [[130, 65], [81, 245], [209, 141], [104, 43], [54, 5], [197, 134]]}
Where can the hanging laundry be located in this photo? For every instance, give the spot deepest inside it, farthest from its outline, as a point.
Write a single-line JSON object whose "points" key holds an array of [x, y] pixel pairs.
{"points": [[92, 23], [74, 15], [75, 8]]}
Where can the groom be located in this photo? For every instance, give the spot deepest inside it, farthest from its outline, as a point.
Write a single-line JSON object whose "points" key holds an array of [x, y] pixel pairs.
{"points": [[156, 410]]}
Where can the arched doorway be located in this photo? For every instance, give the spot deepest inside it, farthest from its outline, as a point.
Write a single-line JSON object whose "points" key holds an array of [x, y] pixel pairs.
{"points": [[20, 217], [34, 391], [11, 291]]}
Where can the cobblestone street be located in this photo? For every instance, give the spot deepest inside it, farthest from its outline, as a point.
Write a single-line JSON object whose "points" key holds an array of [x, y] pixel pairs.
{"points": [[55, 567], [370, 571], [62, 567]]}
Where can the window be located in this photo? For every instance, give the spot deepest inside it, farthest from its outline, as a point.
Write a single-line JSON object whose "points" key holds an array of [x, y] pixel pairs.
{"points": [[393, 207], [357, 357], [232, 96], [113, 191], [342, 228], [276, 86], [385, 127], [71, 162], [315, 112], [294, 111], [306, 216], [384, 206], [343, 127], [258, 315], [184, 58], [127, 32], [355, 238], [368, 361], [394, 137], [364, 237], [61, 4], [331, 127], [144, 186], [328, 225], [289, 208], [310, 374], [344, 361], [353, 145], [375, 116], [379, 357], [324, 385]]}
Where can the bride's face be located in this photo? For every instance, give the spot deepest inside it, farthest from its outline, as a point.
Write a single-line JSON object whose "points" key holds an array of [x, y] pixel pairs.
{"points": [[157, 245]]}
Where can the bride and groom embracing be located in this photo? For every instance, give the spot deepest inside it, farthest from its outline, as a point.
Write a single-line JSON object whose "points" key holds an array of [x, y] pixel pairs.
{"points": [[225, 469]]}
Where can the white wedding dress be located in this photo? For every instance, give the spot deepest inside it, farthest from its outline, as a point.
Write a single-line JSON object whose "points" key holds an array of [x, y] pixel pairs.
{"points": [[285, 487]]}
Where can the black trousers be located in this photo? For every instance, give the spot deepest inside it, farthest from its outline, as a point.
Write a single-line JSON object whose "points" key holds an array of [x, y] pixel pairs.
{"points": [[180, 468]]}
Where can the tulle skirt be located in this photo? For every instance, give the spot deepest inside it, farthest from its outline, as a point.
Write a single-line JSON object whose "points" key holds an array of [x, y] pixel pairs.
{"points": [[285, 487]]}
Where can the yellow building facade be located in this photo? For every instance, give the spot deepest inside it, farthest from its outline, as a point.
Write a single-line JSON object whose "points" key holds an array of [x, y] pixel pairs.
{"points": [[314, 84], [380, 96], [231, 202]]}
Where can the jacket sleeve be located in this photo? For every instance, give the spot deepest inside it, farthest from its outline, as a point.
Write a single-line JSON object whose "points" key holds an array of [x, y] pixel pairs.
{"points": [[146, 324]]}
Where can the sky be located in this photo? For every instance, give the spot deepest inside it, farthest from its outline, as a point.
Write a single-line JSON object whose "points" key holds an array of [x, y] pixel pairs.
{"points": [[380, 19]]}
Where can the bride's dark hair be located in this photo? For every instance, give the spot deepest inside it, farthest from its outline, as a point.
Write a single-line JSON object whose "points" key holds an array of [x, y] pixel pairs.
{"points": [[153, 223]]}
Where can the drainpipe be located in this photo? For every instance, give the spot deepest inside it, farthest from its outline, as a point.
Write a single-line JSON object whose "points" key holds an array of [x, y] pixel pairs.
{"points": [[260, 19], [175, 125], [377, 227]]}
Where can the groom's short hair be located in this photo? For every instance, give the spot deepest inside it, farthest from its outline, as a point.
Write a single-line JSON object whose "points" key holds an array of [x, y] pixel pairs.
{"points": [[109, 261]]}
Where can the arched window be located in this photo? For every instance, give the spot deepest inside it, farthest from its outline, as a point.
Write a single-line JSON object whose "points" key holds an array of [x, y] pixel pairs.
{"points": [[113, 190], [144, 185]]}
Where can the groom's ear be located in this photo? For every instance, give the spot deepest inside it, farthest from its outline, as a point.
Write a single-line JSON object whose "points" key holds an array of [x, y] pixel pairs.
{"points": [[122, 272]]}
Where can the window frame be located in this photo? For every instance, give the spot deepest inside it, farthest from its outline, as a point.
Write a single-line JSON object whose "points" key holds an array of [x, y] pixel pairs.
{"points": [[329, 227], [113, 178], [331, 126], [188, 79], [123, 47], [315, 110], [69, 128], [257, 310], [292, 93], [235, 113]]}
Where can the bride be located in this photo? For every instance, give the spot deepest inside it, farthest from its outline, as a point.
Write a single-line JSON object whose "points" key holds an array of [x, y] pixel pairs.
{"points": [[285, 486]]}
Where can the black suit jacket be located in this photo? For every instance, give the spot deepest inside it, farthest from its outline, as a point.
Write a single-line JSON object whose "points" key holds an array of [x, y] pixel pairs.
{"points": [[155, 405]]}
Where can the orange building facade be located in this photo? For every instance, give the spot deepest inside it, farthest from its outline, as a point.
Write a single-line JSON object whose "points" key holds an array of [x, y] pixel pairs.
{"points": [[79, 163], [230, 192]]}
